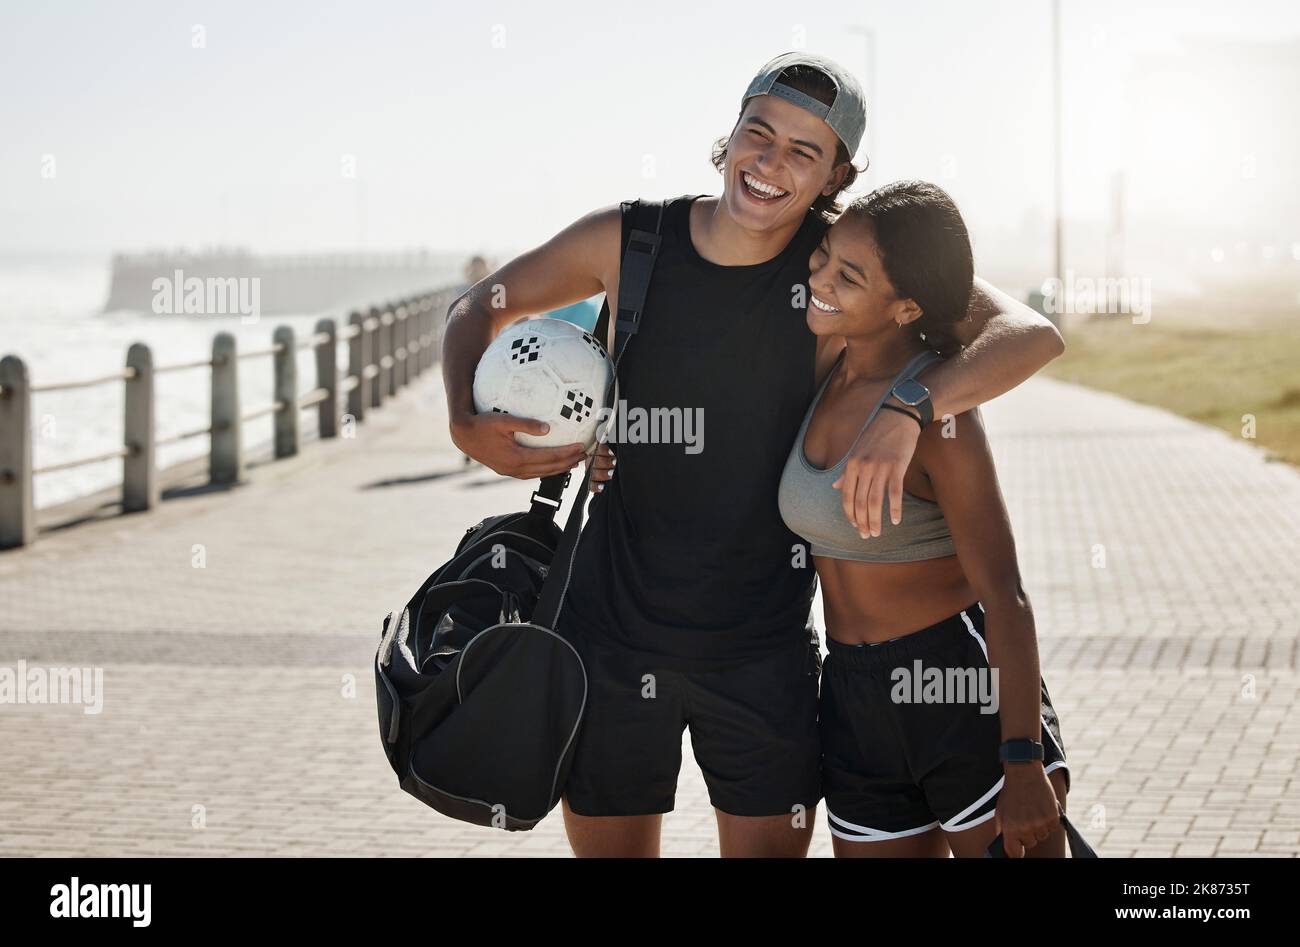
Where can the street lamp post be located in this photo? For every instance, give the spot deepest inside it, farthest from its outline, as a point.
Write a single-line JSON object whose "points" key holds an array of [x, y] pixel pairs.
{"points": [[1058, 241], [869, 35]]}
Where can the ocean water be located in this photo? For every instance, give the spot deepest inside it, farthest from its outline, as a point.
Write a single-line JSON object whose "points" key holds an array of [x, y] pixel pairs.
{"points": [[50, 316]]}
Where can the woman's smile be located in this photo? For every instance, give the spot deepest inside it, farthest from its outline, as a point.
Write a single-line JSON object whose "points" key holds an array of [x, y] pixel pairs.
{"points": [[822, 306]]}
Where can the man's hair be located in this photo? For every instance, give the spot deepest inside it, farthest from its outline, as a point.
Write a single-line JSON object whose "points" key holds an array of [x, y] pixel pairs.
{"points": [[813, 82]]}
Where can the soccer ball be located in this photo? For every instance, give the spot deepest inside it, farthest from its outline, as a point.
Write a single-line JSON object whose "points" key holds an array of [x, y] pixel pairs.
{"points": [[548, 370]]}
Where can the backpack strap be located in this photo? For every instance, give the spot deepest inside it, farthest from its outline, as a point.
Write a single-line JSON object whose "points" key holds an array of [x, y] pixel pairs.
{"points": [[641, 243]]}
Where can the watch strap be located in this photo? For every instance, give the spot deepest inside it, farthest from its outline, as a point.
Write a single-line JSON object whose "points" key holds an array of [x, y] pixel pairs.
{"points": [[915, 417], [926, 408], [1021, 750]]}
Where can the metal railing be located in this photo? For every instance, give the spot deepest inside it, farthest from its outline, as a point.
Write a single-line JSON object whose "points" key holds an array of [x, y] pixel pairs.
{"points": [[388, 347]]}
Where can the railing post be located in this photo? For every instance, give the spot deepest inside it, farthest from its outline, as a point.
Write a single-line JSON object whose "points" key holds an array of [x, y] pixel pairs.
{"points": [[378, 384], [440, 305], [139, 471], [226, 463], [430, 331], [402, 377], [411, 340], [414, 357], [327, 377], [395, 327], [358, 359], [390, 350], [17, 513], [438, 322], [286, 392], [416, 308]]}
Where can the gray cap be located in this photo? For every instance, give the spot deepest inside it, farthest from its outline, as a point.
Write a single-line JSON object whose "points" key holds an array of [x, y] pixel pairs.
{"points": [[847, 115]]}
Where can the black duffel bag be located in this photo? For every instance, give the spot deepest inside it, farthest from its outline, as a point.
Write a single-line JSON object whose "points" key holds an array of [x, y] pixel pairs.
{"points": [[480, 695]]}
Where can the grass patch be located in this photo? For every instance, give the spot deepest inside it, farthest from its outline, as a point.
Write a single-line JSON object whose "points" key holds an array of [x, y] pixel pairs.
{"points": [[1211, 375]]}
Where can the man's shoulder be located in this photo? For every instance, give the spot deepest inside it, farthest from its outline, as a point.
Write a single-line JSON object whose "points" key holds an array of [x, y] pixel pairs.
{"points": [[667, 201]]}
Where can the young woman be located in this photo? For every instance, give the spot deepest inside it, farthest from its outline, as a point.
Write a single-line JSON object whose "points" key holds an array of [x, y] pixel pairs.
{"points": [[912, 715], [684, 598]]}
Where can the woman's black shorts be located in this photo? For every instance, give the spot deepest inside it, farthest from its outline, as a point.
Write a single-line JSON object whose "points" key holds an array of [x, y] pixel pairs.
{"points": [[908, 739]]}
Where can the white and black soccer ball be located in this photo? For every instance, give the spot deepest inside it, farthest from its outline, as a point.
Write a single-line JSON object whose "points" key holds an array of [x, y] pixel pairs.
{"points": [[548, 370]]}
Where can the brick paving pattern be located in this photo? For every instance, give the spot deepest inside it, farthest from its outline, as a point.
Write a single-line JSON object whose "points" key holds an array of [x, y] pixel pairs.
{"points": [[238, 717]]}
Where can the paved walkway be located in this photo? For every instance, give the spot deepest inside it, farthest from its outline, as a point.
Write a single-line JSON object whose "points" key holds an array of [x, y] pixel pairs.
{"points": [[239, 718]]}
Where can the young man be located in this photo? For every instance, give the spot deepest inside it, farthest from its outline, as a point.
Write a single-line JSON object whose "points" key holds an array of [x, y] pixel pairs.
{"points": [[690, 597]]}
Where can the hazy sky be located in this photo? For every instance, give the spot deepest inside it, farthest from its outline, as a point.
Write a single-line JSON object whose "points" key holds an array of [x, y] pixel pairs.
{"points": [[494, 124]]}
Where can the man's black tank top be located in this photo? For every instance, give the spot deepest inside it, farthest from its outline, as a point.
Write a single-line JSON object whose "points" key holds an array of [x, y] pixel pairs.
{"points": [[684, 555]]}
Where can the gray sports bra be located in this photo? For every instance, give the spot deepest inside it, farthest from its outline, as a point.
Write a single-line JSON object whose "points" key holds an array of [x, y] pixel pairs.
{"points": [[811, 507]]}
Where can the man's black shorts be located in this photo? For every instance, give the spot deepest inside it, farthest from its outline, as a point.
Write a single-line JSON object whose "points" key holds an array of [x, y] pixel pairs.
{"points": [[753, 730], [896, 767]]}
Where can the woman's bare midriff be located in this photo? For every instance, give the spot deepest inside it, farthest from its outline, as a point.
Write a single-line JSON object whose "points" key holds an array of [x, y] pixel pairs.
{"points": [[870, 602]]}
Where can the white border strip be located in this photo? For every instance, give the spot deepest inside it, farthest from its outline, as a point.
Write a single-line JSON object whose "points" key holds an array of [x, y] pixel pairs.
{"points": [[954, 824], [970, 626], [870, 835]]}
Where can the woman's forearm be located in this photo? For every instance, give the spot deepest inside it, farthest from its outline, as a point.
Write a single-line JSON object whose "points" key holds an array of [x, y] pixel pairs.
{"points": [[1013, 651]]}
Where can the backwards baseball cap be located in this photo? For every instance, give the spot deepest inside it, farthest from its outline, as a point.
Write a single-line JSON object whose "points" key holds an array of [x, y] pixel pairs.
{"points": [[847, 115]]}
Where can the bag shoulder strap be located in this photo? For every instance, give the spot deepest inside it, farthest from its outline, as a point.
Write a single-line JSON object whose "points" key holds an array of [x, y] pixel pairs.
{"points": [[641, 241], [642, 222], [640, 250]]}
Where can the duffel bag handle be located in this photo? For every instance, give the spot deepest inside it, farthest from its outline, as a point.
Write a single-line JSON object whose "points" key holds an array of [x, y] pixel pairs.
{"points": [[1079, 847]]}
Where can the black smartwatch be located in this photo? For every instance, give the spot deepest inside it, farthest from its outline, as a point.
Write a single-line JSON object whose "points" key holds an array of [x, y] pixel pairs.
{"points": [[915, 395], [1021, 750]]}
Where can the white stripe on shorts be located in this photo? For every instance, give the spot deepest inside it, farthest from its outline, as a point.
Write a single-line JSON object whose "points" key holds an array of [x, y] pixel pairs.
{"points": [[955, 823], [860, 833], [970, 626]]}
